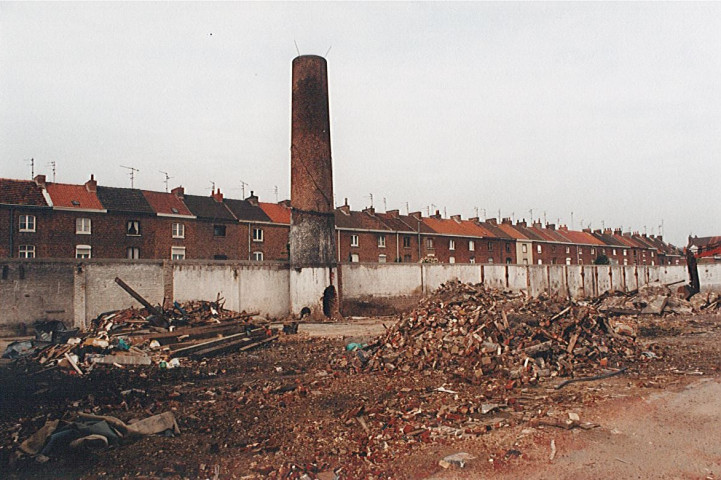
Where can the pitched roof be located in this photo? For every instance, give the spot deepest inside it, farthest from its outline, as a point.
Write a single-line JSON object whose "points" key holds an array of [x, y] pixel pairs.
{"points": [[463, 228], [395, 223], [21, 192], [244, 210], [580, 238], [208, 208], [123, 200], [276, 212], [703, 241], [73, 196], [166, 203], [358, 220], [510, 231]]}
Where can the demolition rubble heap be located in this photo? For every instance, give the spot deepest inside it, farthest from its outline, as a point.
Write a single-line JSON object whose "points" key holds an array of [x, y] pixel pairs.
{"points": [[473, 333], [143, 336]]}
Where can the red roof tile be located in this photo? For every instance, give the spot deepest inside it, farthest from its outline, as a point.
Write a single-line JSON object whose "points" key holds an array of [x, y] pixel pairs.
{"points": [[464, 228], [73, 196], [277, 213], [166, 203], [581, 238]]}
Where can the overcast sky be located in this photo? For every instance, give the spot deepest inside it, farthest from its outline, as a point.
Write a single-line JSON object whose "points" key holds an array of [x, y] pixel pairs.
{"points": [[611, 111]]}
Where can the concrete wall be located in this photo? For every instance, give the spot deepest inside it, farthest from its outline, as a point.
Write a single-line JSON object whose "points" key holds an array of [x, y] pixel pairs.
{"points": [[37, 290], [76, 292]]}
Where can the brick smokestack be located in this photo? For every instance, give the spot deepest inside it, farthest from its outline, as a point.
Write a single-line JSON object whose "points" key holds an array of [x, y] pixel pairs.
{"points": [[312, 224]]}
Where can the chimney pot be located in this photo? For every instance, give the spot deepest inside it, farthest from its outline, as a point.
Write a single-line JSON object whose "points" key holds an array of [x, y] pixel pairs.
{"points": [[40, 180], [178, 192]]}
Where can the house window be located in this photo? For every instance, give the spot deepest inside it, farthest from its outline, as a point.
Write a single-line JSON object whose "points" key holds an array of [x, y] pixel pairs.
{"points": [[354, 240], [258, 256], [525, 261], [132, 252], [490, 246], [178, 230], [452, 260], [27, 223], [508, 248], [593, 251], [381, 258], [406, 241], [553, 248], [451, 244], [580, 250], [26, 251], [471, 246], [381, 241], [177, 253], [652, 254], [258, 235], [625, 261], [354, 258], [490, 259], [407, 259], [568, 250], [613, 252], [539, 249], [524, 248], [132, 227], [82, 226], [218, 230], [429, 243], [568, 260], [540, 262], [625, 252], [472, 260], [83, 251]]}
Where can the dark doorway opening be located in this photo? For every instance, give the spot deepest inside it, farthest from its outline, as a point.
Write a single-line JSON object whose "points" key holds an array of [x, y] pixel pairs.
{"points": [[330, 301]]}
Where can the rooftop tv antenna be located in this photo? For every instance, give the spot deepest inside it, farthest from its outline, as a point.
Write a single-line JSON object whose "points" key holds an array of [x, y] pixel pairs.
{"points": [[370, 195], [242, 188], [167, 177], [275, 190], [52, 164], [408, 209], [31, 162], [385, 205], [131, 174], [212, 187]]}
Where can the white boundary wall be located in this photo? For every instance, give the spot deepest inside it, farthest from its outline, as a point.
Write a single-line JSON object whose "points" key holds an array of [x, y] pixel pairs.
{"points": [[76, 292]]}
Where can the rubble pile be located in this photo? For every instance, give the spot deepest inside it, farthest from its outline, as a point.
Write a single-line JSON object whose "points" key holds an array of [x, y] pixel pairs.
{"points": [[143, 336], [656, 299], [472, 332]]}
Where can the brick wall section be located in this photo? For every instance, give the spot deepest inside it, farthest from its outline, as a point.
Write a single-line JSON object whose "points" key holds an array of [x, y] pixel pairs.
{"points": [[274, 245]]}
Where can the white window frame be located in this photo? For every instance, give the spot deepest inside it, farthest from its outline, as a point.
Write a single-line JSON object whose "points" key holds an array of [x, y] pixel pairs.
{"points": [[471, 246], [525, 261], [451, 259], [26, 223], [26, 251], [625, 252], [257, 256], [354, 258], [540, 262], [472, 260], [613, 252], [382, 258], [354, 241], [381, 241], [539, 249], [177, 253], [132, 253], [524, 248], [568, 250], [83, 251], [258, 235], [593, 251], [406, 241], [178, 230], [451, 244], [429, 244], [132, 223], [568, 260], [83, 226], [490, 260]]}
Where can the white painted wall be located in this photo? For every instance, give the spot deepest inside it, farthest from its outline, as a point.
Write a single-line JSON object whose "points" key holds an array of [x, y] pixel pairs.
{"points": [[538, 280], [575, 281], [518, 277], [264, 289], [307, 286], [603, 277], [205, 282], [494, 276], [381, 280], [557, 280], [617, 281], [103, 294], [435, 274], [709, 276]]}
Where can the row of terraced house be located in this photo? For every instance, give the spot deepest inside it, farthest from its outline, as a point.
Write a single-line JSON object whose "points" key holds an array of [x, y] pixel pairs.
{"points": [[40, 219]]}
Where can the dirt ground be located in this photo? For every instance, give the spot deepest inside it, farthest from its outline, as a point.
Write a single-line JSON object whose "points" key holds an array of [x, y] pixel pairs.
{"points": [[282, 411]]}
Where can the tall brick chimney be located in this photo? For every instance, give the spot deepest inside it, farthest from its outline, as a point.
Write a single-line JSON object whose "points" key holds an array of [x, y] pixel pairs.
{"points": [[179, 192], [312, 224]]}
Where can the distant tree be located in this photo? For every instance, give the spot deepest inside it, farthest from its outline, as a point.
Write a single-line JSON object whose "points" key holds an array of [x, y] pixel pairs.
{"points": [[602, 260]]}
